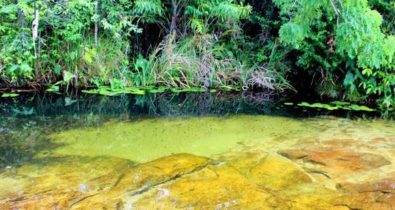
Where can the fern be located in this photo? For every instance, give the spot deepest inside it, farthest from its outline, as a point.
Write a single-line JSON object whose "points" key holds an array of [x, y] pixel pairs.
{"points": [[203, 13], [193, 11], [226, 10], [148, 7], [197, 25]]}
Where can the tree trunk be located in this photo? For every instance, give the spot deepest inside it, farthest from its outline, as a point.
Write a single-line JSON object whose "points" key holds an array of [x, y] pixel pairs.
{"points": [[173, 24], [21, 23], [35, 25], [96, 22]]}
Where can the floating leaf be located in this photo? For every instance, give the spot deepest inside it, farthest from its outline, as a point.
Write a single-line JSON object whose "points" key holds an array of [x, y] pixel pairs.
{"points": [[367, 109], [91, 91], [9, 95], [190, 90], [107, 91], [336, 105], [137, 92], [158, 90], [53, 88], [340, 103]]}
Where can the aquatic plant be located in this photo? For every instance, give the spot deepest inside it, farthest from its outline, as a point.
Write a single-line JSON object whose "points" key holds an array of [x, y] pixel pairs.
{"points": [[9, 95], [334, 105]]}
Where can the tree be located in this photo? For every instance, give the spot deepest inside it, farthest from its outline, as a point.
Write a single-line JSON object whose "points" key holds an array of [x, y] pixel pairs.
{"points": [[366, 52]]}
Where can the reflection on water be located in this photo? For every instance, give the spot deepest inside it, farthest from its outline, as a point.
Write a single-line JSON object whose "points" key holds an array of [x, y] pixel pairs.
{"points": [[197, 151]]}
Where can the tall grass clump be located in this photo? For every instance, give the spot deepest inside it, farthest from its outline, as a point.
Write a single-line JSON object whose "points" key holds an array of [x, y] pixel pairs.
{"points": [[201, 61]]}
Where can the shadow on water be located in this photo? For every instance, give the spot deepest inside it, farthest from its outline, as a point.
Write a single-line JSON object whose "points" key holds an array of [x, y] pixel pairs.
{"points": [[154, 105], [150, 105]]}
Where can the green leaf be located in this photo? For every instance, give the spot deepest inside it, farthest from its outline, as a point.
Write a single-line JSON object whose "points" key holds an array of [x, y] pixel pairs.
{"points": [[67, 76]]}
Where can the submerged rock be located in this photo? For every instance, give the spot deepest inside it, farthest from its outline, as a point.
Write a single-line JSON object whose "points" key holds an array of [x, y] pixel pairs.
{"points": [[161, 170], [268, 171], [241, 180], [336, 160], [386, 185], [275, 163], [46, 185], [244, 180], [346, 160], [251, 179], [277, 173], [142, 178], [367, 200], [214, 187], [293, 154]]}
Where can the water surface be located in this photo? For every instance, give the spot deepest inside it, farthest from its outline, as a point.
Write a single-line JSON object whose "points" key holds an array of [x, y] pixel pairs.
{"points": [[197, 151]]}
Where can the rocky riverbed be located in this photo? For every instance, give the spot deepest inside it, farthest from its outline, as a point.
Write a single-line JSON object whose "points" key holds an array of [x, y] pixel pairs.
{"points": [[339, 165], [252, 179]]}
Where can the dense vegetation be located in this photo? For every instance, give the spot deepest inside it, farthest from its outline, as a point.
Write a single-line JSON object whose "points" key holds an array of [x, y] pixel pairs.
{"points": [[341, 49]]}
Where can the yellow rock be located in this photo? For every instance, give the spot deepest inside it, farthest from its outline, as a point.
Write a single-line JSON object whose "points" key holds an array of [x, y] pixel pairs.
{"points": [[243, 161], [143, 177], [161, 170], [226, 186], [251, 179], [214, 187], [277, 173], [44, 185], [367, 200], [268, 171]]}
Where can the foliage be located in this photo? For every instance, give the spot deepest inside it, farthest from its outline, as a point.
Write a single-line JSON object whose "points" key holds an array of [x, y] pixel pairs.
{"points": [[144, 76], [342, 49], [66, 42], [350, 30], [387, 10]]}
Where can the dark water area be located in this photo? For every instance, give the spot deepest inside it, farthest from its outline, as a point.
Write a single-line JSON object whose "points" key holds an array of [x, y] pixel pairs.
{"points": [[163, 104]]}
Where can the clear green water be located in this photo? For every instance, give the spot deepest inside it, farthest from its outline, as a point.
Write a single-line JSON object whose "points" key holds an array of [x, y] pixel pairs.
{"points": [[56, 137], [149, 139]]}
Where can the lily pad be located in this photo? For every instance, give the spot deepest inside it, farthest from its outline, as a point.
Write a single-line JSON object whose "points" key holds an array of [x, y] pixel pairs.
{"points": [[53, 89], [340, 103], [107, 91], [137, 92], [157, 90], [337, 105], [9, 95], [190, 90], [91, 91]]}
